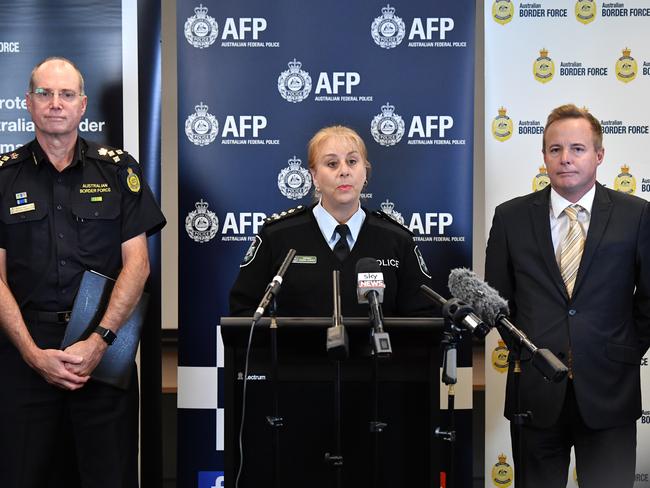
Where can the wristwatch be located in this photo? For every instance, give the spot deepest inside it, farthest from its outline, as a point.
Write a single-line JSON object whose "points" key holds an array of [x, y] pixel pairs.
{"points": [[106, 334]]}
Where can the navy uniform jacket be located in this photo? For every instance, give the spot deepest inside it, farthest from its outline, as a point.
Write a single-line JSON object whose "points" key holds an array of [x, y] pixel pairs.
{"points": [[606, 323], [307, 285], [55, 225]]}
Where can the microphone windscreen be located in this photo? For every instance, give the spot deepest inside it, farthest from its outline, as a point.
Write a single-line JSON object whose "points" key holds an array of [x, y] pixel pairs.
{"points": [[368, 265], [486, 301]]}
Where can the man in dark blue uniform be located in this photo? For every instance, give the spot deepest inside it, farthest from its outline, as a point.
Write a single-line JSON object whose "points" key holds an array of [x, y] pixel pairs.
{"points": [[67, 205]]}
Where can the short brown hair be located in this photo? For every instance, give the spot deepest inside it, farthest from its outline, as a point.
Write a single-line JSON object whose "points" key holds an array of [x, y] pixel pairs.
{"points": [[570, 111], [340, 131], [57, 58]]}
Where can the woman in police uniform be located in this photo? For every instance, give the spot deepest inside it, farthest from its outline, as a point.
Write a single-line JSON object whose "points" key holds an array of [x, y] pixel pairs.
{"points": [[338, 162]]}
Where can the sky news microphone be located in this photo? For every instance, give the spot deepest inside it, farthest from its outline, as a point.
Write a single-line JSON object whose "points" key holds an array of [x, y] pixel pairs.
{"points": [[273, 288], [465, 285], [460, 313], [370, 290]]}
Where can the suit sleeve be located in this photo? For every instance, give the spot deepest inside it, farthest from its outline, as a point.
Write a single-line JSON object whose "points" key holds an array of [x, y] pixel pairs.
{"points": [[642, 292], [254, 275], [498, 265]]}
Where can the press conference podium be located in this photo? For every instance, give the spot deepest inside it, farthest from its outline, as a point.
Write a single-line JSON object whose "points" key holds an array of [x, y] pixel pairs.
{"points": [[408, 394]]}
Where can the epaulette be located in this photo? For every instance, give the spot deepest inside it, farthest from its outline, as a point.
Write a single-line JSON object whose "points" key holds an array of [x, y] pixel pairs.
{"points": [[16, 156], [391, 219], [106, 153], [292, 212]]}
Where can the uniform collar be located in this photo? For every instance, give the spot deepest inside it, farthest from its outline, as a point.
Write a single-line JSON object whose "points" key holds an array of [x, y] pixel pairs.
{"points": [[327, 223], [40, 157]]}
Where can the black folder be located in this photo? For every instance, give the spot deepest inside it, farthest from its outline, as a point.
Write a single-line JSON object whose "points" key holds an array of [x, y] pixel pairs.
{"points": [[116, 365]]}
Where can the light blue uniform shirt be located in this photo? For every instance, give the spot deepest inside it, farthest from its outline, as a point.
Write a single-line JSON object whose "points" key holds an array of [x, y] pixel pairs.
{"points": [[327, 225]]}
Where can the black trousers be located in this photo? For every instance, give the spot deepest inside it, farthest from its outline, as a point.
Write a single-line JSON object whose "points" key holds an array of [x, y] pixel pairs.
{"points": [[604, 457], [53, 438]]}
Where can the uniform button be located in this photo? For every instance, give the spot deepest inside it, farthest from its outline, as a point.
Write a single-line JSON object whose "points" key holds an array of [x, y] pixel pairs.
{"points": [[60, 235], [59, 207], [96, 214], [62, 262], [572, 312], [59, 180], [64, 291]]}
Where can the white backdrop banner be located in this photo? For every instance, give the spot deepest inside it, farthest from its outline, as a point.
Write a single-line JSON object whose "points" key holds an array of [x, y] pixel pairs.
{"points": [[539, 55]]}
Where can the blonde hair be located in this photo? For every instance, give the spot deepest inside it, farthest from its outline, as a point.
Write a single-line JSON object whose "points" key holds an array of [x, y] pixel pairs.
{"points": [[337, 131], [570, 111]]}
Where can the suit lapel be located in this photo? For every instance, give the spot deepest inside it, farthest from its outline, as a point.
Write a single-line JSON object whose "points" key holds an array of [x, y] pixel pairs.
{"points": [[542, 229], [600, 213]]}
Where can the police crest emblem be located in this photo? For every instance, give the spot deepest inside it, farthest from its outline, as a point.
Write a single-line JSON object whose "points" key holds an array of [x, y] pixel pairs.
{"points": [[625, 182], [252, 251], [388, 208], [626, 67], [294, 181], [201, 127], [387, 128], [421, 262], [541, 179], [502, 126], [585, 11], [294, 84], [543, 67], [500, 357], [502, 11], [200, 29], [388, 29], [201, 224], [502, 473]]}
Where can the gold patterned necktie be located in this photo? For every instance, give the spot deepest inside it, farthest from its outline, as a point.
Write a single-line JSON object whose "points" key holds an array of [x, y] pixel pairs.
{"points": [[571, 250]]}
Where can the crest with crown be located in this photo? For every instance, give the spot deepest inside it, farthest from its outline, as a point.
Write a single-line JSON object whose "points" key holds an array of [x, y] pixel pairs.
{"points": [[294, 181], [624, 181], [388, 208], [294, 84], [626, 66], [201, 127], [200, 29], [201, 224], [388, 29], [387, 128], [502, 126]]}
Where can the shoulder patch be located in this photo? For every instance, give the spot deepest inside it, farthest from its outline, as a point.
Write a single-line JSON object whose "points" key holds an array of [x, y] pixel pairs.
{"points": [[421, 262], [16, 156], [388, 218], [129, 175], [292, 212], [252, 251]]}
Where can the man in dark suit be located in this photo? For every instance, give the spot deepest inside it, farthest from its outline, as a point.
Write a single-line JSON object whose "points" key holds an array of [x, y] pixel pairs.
{"points": [[573, 260]]}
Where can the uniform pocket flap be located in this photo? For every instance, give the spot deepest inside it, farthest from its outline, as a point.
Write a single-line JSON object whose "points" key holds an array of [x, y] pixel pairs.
{"points": [[101, 210], [623, 353]]}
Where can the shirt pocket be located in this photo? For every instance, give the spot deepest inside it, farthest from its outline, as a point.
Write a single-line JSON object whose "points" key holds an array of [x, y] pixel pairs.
{"points": [[98, 225], [26, 227]]}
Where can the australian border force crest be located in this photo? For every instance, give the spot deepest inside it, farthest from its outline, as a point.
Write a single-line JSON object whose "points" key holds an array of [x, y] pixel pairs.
{"points": [[388, 29], [294, 84], [387, 128], [201, 127], [201, 224], [200, 29], [294, 181]]}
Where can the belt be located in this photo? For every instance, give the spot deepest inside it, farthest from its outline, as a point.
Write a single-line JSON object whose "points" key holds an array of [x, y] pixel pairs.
{"points": [[61, 318]]}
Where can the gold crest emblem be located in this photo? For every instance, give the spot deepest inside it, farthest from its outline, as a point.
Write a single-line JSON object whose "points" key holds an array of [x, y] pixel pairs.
{"points": [[500, 357], [502, 473], [626, 67], [625, 182], [133, 181], [541, 180], [543, 67], [585, 11], [502, 11], [502, 126]]}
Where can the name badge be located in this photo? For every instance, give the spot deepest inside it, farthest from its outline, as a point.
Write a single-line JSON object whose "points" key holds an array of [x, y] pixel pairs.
{"points": [[22, 208], [305, 260]]}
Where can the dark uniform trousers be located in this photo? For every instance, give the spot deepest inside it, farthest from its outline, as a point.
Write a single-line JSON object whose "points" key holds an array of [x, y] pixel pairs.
{"points": [[605, 458], [39, 424]]}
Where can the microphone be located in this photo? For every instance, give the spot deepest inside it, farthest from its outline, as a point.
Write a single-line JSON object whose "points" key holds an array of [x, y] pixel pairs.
{"points": [[370, 290], [464, 284], [459, 312], [337, 336], [273, 288]]}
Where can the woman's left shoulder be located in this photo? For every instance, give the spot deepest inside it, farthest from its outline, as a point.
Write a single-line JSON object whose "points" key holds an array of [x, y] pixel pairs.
{"points": [[388, 222]]}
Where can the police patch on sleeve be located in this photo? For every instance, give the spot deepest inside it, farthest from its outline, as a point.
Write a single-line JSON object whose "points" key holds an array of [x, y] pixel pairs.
{"points": [[252, 252], [421, 262], [130, 178]]}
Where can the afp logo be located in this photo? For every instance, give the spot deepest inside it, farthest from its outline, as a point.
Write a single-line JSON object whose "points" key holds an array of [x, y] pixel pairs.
{"points": [[211, 479], [202, 128], [388, 30], [202, 30]]}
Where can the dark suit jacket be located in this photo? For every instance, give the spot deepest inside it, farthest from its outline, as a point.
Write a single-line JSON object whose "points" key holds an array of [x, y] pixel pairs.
{"points": [[606, 322]]}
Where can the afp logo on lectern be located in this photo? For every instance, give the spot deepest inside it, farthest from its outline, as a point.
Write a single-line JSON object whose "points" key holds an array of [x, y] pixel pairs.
{"points": [[211, 479]]}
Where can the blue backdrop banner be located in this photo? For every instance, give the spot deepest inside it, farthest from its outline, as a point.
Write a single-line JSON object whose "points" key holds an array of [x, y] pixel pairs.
{"points": [[256, 80]]}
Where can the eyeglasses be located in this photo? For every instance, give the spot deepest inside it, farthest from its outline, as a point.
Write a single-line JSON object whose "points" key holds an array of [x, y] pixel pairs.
{"points": [[46, 95]]}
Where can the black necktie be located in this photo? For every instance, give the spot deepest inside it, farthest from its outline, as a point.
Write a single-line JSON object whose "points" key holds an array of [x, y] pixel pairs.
{"points": [[341, 249]]}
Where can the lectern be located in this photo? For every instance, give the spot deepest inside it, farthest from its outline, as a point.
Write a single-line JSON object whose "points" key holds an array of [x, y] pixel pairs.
{"points": [[404, 454]]}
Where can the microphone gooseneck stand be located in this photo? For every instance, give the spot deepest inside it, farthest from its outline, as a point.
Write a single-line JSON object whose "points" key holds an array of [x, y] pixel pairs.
{"points": [[449, 344], [275, 420], [381, 350], [337, 350]]}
